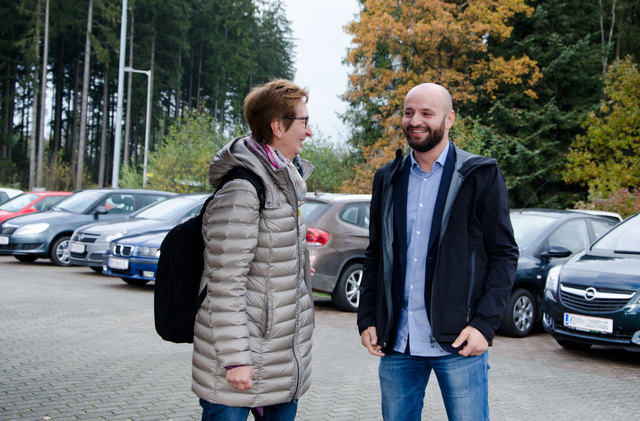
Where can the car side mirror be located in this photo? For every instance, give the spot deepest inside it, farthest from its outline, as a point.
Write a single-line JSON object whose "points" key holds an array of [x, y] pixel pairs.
{"points": [[556, 252], [31, 210], [101, 210]]}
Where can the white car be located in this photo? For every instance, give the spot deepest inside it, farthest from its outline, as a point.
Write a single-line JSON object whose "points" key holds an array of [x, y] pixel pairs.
{"points": [[7, 193]]}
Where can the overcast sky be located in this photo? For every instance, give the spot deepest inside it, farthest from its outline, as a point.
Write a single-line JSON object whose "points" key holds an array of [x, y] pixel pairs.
{"points": [[321, 46]]}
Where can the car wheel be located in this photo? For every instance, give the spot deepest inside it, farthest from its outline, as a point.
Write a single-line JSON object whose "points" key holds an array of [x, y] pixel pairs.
{"points": [[346, 295], [96, 269], [520, 315], [26, 259], [59, 253], [572, 345], [136, 282]]}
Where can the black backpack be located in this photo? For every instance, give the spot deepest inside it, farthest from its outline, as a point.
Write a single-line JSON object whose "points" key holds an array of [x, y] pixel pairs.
{"points": [[177, 298]]}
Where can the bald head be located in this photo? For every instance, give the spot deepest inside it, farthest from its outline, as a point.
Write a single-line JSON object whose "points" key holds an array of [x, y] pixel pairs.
{"points": [[437, 93]]}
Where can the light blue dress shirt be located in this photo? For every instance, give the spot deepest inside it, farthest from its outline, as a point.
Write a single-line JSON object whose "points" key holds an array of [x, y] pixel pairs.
{"points": [[421, 200]]}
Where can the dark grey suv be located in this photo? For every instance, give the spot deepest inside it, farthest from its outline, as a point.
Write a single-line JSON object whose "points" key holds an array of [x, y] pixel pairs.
{"points": [[337, 236], [46, 234]]}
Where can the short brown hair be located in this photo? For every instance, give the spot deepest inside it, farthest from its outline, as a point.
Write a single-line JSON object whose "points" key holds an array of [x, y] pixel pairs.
{"points": [[271, 101]]}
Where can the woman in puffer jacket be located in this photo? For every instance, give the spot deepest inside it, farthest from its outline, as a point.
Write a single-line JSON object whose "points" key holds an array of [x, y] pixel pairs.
{"points": [[252, 339]]}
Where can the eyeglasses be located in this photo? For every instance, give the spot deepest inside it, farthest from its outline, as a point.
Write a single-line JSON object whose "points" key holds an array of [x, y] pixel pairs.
{"points": [[306, 119]]}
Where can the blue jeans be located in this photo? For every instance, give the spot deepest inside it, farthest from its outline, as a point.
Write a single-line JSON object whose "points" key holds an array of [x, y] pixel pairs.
{"points": [[462, 380], [218, 412]]}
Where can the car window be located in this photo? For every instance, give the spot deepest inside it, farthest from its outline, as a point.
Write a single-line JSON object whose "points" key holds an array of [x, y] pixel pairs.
{"points": [[356, 214], [166, 210], [18, 202], [119, 203], [142, 200], [527, 227], [624, 238], [601, 227], [350, 214], [3, 197], [367, 208], [312, 210], [80, 202], [572, 235]]}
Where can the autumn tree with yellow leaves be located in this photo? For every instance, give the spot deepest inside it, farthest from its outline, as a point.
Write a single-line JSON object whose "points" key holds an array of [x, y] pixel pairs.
{"points": [[399, 44]]}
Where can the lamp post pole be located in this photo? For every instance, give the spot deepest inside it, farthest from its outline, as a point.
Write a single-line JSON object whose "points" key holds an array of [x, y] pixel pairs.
{"points": [[118, 128], [147, 128]]}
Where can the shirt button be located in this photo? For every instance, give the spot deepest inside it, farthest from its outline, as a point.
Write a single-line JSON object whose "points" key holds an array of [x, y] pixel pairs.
{"points": [[420, 205], [411, 287], [424, 179], [415, 260], [418, 232]]}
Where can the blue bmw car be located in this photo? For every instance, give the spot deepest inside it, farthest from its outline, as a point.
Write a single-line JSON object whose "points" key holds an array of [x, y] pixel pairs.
{"points": [[134, 258]]}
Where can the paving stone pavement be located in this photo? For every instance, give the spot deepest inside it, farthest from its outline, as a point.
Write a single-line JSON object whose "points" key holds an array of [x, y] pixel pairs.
{"points": [[75, 345]]}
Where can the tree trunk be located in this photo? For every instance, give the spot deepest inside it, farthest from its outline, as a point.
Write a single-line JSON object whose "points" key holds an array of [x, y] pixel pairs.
{"points": [[179, 88], [105, 128], [606, 43], [85, 93], [127, 118], [43, 94], [74, 127], [57, 130]]}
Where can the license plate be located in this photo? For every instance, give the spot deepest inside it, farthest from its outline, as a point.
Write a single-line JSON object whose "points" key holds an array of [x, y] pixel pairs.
{"points": [[116, 263], [593, 324], [4, 240], [76, 247]]}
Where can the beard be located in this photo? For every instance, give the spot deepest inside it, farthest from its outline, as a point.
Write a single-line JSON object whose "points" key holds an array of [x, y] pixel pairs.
{"points": [[433, 137]]}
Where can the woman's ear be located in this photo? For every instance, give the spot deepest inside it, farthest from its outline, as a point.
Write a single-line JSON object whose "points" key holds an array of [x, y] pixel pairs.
{"points": [[276, 128]]}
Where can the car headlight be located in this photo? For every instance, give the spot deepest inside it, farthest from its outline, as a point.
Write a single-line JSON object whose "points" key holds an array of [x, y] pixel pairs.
{"points": [[108, 237], [149, 252], [32, 229], [112, 246], [552, 279]]}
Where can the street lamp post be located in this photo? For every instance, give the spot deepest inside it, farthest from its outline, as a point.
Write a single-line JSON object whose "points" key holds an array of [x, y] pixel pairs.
{"points": [[147, 128], [118, 129]]}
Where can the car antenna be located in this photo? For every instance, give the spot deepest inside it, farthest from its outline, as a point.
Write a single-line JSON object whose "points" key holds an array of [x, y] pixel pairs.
{"points": [[536, 192]]}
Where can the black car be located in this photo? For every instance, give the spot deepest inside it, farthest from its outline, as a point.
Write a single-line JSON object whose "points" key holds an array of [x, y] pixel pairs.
{"points": [[46, 234], [545, 238], [594, 298]]}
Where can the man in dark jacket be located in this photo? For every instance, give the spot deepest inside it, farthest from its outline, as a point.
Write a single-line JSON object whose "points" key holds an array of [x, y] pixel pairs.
{"points": [[439, 267]]}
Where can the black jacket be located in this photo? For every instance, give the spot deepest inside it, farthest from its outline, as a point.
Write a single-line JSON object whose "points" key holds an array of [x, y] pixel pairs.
{"points": [[471, 266]]}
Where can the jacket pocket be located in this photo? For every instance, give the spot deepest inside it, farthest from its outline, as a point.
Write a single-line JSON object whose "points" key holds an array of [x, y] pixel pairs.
{"points": [[472, 281], [267, 314]]}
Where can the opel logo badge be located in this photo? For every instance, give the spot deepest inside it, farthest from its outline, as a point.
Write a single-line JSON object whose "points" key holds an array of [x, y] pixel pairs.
{"points": [[590, 294]]}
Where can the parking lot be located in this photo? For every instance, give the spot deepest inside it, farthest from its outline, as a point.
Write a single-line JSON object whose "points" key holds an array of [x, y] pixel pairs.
{"points": [[81, 346]]}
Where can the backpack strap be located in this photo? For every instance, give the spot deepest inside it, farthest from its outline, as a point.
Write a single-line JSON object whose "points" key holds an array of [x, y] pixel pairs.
{"points": [[245, 174]]}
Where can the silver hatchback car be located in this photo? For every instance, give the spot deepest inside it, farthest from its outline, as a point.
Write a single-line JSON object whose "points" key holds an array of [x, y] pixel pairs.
{"points": [[337, 236]]}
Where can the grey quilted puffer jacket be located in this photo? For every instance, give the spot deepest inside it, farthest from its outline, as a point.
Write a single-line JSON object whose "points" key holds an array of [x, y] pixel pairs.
{"points": [[259, 308]]}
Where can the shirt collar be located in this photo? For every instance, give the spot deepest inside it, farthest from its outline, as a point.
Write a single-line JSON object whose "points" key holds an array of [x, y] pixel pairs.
{"points": [[439, 162]]}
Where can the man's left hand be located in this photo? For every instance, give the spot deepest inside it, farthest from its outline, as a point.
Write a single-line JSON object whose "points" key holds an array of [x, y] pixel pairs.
{"points": [[476, 342]]}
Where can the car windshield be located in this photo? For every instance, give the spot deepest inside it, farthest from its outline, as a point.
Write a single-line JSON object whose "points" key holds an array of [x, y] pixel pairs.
{"points": [[18, 202], [624, 238], [79, 202], [166, 209], [526, 227], [313, 209]]}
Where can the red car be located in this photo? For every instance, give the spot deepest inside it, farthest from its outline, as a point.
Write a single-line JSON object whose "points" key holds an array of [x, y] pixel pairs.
{"points": [[30, 202]]}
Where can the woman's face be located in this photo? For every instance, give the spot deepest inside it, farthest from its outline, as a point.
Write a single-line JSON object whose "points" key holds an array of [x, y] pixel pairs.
{"points": [[289, 142]]}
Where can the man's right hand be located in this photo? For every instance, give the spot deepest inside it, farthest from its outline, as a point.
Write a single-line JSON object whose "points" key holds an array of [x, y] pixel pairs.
{"points": [[369, 339]]}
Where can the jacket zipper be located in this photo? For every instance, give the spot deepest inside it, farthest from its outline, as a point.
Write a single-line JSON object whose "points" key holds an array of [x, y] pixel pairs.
{"points": [[471, 284]]}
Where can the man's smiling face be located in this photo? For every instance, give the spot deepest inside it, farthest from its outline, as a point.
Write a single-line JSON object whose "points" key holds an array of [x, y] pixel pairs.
{"points": [[426, 121]]}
